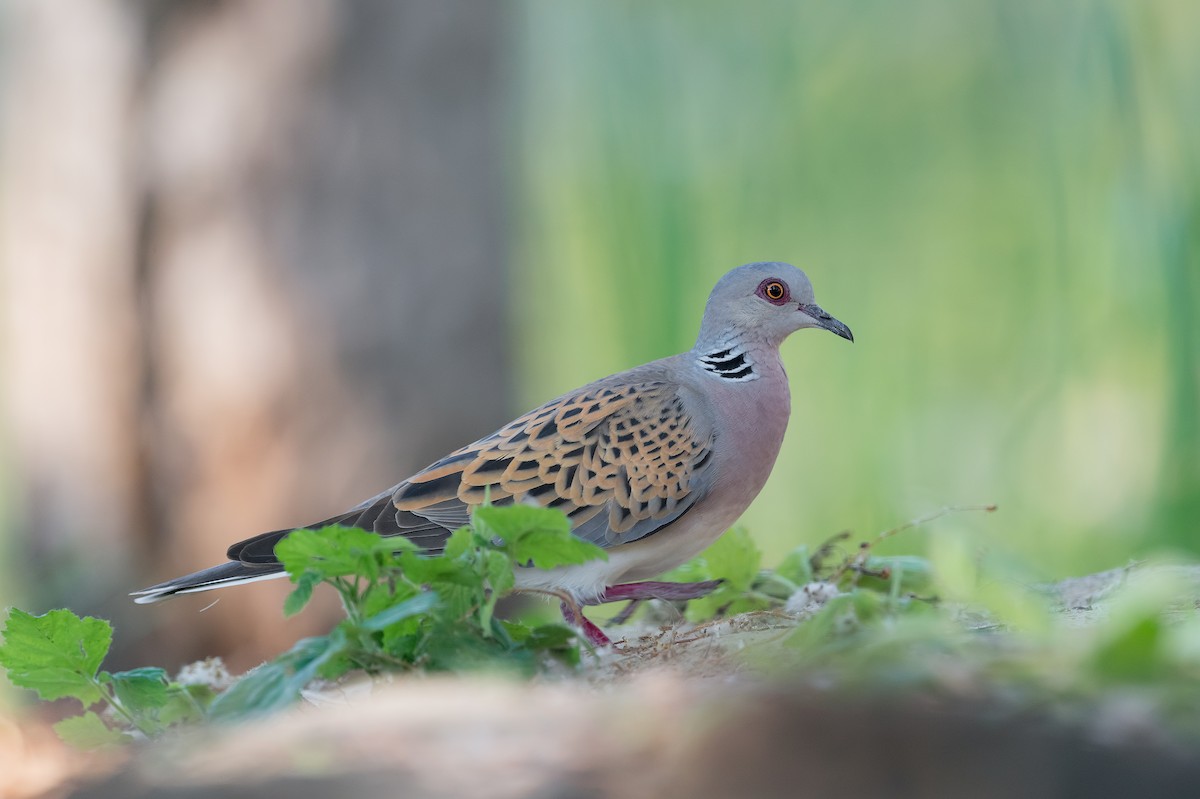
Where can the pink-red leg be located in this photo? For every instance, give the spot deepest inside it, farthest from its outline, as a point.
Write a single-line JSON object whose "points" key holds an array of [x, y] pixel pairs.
{"points": [[671, 592], [626, 613], [591, 632], [657, 590]]}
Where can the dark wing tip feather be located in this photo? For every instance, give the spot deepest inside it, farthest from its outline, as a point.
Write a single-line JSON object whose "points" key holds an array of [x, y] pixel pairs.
{"points": [[214, 577], [378, 515]]}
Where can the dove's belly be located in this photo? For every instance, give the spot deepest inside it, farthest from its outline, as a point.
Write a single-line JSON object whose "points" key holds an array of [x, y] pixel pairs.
{"points": [[639, 560]]}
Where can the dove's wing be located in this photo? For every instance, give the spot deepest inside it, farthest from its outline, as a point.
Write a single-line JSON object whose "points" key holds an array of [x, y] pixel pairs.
{"points": [[621, 460]]}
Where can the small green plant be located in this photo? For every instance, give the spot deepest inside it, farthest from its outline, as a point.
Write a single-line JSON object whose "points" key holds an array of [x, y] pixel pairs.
{"points": [[407, 610], [58, 655], [404, 610], [826, 574]]}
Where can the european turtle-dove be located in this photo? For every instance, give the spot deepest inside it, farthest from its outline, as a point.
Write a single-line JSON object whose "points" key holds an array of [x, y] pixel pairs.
{"points": [[651, 464]]}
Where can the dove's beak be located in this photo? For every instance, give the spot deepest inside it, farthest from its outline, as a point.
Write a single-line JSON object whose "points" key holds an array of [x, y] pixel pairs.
{"points": [[827, 322]]}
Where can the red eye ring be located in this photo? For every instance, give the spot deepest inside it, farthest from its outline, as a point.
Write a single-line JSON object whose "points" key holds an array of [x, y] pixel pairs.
{"points": [[774, 291]]}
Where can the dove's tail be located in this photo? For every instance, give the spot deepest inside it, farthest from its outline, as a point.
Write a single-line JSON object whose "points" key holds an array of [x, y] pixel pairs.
{"points": [[232, 573]]}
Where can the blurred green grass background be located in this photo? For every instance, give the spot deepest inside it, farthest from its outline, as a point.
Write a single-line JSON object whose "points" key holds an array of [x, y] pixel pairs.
{"points": [[1001, 199]]}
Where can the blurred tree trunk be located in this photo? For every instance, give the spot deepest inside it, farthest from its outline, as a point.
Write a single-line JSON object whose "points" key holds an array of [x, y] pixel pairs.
{"points": [[254, 272]]}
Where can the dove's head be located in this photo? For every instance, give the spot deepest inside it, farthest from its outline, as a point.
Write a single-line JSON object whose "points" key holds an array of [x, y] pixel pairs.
{"points": [[766, 301]]}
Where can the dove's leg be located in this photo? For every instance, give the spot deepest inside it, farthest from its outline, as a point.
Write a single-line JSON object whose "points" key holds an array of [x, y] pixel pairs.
{"points": [[626, 613], [635, 591], [657, 590], [591, 632]]}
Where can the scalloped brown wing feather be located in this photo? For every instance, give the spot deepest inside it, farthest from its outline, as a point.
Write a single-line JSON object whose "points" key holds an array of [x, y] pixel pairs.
{"points": [[621, 460]]}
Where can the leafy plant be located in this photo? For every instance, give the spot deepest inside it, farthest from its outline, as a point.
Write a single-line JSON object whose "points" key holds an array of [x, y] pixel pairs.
{"points": [[58, 655], [859, 578], [404, 610]]}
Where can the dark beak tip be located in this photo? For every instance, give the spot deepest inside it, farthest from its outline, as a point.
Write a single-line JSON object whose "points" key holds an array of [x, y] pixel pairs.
{"points": [[826, 321], [838, 329]]}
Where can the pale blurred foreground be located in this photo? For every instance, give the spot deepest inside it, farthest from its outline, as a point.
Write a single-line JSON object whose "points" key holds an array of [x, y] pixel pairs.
{"points": [[656, 735]]}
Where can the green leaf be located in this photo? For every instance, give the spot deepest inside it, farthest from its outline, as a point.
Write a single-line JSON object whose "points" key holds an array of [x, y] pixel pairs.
{"points": [[338, 551], [499, 572], [381, 596], [733, 558], [868, 606], [300, 595], [548, 551], [836, 616], [914, 573], [514, 522], [185, 704], [457, 601], [746, 604], [550, 636], [796, 567], [1134, 652], [460, 542], [518, 633], [339, 664], [326, 552], [56, 654], [278, 683], [426, 570], [421, 603], [556, 640], [138, 689], [541, 536], [458, 647], [89, 731], [404, 639]]}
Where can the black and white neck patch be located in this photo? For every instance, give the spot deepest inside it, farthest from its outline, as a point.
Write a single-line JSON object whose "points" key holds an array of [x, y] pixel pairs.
{"points": [[730, 363]]}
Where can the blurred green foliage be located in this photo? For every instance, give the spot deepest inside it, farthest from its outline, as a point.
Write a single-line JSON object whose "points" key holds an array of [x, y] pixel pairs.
{"points": [[1002, 200]]}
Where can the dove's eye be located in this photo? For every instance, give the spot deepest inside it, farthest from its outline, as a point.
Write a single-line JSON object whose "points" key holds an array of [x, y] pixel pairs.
{"points": [[774, 291]]}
